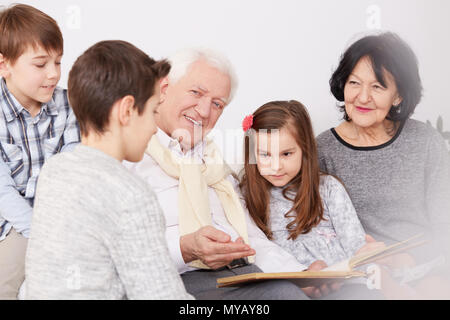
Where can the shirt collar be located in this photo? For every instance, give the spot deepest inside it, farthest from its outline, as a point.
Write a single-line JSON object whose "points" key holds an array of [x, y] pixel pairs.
{"points": [[174, 146], [12, 108], [50, 107]]}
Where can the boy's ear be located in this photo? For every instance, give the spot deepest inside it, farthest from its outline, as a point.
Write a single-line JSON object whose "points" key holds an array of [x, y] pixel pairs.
{"points": [[4, 70], [125, 110], [163, 84]]}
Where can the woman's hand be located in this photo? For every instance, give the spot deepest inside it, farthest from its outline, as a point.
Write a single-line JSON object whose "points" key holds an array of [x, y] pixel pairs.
{"points": [[371, 245], [400, 260], [396, 261]]}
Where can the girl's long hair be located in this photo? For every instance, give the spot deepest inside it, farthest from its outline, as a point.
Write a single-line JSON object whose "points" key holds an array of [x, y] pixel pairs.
{"points": [[307, 209]]}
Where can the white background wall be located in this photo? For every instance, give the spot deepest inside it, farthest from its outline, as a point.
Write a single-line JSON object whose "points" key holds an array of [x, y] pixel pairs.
{"points": [[281, 49]]}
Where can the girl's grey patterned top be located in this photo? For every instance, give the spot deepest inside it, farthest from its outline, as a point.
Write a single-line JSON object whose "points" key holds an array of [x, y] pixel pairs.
{"points": [[332, 240], [97, 233]]}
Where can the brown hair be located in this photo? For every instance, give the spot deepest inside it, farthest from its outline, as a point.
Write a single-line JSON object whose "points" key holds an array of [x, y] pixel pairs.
{"points": [[307, 207], [107, 72], [21, 26]]}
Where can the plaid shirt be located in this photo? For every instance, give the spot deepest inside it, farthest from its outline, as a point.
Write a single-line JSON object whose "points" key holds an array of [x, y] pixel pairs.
{"points": [[25, 144]]}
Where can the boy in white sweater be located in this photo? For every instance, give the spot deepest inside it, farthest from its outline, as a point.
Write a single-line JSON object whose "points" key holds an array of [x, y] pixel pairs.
{"points": [[97, 230]]}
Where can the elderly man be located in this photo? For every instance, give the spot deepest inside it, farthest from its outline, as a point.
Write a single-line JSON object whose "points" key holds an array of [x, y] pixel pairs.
{"points": [[209, 233]]}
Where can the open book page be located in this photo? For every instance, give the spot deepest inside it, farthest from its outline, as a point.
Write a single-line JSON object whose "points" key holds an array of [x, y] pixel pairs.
{"points": [[340, 266]]}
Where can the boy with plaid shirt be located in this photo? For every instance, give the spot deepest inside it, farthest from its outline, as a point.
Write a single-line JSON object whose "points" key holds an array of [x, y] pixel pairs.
{"points": [[36, 122]]}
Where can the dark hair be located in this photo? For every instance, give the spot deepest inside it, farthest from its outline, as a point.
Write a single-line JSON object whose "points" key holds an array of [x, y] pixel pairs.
{"points": [[386, 51], [21, 26], [307, 209], [107, 72]]}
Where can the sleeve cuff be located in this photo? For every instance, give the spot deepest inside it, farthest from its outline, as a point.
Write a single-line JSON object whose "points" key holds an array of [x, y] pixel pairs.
{"points": [[173, 242]]}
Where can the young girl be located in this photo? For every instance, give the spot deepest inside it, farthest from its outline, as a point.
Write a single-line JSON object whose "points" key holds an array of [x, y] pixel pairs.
{"points": [[306, 212]]}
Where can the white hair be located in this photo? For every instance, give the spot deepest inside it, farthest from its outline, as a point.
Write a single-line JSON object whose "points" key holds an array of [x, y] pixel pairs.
{"points": [[183, 59]]}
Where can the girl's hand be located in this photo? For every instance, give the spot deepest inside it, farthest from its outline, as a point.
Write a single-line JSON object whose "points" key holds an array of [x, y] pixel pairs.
{"points": [[324, 289], [317, 265]]}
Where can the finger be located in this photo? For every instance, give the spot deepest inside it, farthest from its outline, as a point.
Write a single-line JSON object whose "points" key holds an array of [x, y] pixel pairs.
{"points": [[309, 291], [312, 292], [317, 265], [239, 240], [317, 293], [231, 256], [335, 286], [221, 260], [379, 244], [215, 234], [229, 247], [324, 290], [371, 246]]}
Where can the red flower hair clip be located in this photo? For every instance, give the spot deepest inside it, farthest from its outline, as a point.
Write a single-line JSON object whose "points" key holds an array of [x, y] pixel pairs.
{"points": [[247, 123]]}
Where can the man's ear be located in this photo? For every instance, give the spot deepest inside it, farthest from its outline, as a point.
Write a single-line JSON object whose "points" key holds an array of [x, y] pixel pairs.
{"points": [[163, 85], [4, 70], [125, 109]]}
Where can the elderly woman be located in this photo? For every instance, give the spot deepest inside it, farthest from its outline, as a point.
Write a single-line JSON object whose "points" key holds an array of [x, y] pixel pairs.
{"points": [[395, 169]]}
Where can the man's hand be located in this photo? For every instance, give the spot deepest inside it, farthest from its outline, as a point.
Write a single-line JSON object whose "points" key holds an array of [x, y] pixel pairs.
{"points": [[213, 247], [324, 289]]}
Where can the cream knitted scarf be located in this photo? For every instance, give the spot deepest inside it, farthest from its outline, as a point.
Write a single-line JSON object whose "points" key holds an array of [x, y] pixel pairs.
{"points": [[194, 180]]}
